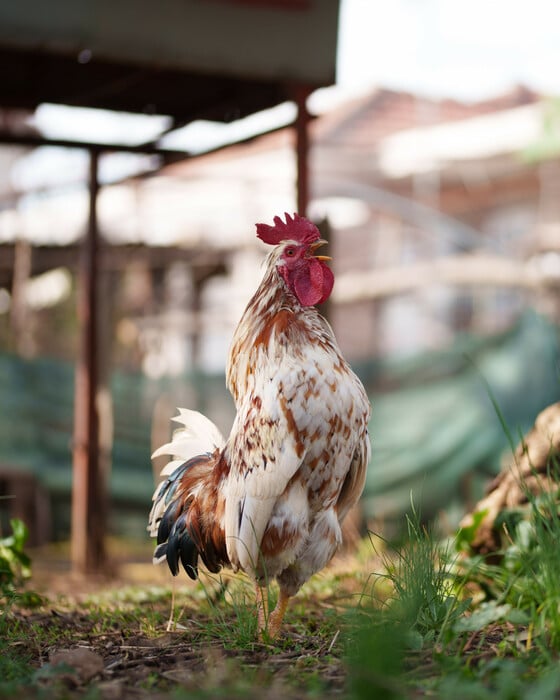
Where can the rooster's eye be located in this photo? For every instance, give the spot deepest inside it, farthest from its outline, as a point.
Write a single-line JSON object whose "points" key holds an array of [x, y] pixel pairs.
{"points": [[290, 252]]}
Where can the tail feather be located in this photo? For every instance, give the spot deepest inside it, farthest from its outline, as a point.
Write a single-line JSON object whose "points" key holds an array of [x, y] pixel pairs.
{"points": [[171, 466], [197, 435], [185, 516], [160, 553], [195, 440], [181, 546], [168, 520], [166, 498]]}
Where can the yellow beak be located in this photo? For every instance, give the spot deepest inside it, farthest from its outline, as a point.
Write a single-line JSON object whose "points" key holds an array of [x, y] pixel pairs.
{"points": [[318, 244]]}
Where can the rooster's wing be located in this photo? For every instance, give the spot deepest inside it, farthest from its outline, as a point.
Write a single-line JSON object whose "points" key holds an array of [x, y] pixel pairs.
{"points": [[269, 446]]}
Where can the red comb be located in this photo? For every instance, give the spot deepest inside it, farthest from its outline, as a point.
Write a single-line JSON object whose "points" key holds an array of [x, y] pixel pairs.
{"points": [[295, 228]]}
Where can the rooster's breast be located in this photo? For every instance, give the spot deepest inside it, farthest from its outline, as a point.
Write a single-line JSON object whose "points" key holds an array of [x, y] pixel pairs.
{"points": [[327, 410]]}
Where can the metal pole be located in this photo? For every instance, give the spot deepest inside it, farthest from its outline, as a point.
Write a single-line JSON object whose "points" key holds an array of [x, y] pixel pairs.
{"points": [[301, 93], [88, 487]]}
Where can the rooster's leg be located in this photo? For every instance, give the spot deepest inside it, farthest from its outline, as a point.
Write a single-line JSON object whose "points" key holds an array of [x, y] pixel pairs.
{"points": [[277, 615]]}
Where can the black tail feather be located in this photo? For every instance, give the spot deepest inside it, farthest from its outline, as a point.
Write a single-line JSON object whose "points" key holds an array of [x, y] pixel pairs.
{"points": [[180, 546], [168, 521], [211, 562], [160, 551], [189, 558], [180, 537], [173, 481]]}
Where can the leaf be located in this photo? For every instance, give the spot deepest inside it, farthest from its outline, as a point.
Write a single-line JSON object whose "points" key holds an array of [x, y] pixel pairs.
{"points": [[414, 639], [518, 617], [15, 565], [466, 535], [484, 616], [20, 533]]}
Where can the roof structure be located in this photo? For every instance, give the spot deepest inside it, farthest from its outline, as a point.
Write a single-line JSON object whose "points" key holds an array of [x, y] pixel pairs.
{"points": [[190, 59]]}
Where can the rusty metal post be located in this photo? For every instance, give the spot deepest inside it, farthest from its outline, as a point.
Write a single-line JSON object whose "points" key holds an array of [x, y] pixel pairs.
{"points": [[301, 93], [88, 484]]}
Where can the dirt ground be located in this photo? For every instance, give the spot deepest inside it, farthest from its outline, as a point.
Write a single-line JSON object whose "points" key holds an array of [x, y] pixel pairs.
{"points": [[121, 665], [107, 638], [74, 650]]}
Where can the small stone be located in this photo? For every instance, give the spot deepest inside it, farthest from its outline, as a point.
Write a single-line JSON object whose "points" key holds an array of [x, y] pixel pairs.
{"points": [[85, 662]]}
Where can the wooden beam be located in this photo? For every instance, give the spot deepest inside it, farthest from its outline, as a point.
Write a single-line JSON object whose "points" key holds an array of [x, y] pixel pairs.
{"points": [[36, 141], [114, 258], [475, 271], [169, 155], [89, 496]]}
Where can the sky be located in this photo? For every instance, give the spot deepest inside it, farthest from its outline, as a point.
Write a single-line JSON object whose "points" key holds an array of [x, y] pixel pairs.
{"points": [[466, 49]]}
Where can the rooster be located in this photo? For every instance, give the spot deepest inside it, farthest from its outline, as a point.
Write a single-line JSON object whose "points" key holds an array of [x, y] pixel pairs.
{"points": [[271, 498]]}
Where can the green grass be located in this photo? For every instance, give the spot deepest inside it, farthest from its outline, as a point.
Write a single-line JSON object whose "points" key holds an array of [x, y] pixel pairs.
{"points": [[458, 626], [422, 619]]}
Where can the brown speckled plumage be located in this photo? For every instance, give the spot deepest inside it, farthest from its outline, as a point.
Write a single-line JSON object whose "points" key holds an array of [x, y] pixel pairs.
{"points": [[270, 499]]}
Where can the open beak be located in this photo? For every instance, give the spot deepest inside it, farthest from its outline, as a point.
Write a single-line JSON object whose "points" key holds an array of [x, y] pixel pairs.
{"points": [[318, 244]]}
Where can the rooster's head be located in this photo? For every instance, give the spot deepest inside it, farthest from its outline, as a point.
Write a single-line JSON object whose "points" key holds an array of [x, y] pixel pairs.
{"points": [[296, 240]]}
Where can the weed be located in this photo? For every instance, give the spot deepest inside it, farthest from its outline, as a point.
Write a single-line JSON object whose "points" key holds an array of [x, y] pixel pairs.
{"points": [[229, 611], [534, 557], [523, 579], [15, 565], [425, 593]]}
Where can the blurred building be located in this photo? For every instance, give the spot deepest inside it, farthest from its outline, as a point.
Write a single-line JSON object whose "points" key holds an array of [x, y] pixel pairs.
{"points": [[444, 222], [447, 210], [408, 186]]}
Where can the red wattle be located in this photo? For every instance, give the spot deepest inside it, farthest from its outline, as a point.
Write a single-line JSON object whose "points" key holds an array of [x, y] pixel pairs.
{"points": [[313, 283]]}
